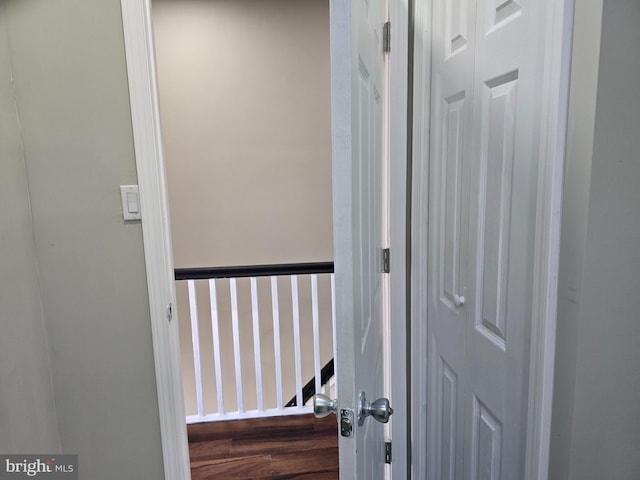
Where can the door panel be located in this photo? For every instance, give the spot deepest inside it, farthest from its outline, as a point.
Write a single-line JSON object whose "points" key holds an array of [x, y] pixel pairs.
{"points": [[494, 204], [368, 156], [368, 284], [486, 443], [485, 91], [358, 130], [451, 118], [502, 232]]}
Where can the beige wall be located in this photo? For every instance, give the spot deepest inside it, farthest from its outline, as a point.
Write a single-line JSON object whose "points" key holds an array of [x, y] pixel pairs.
{"points": [[245, 106], [596, 421], [71, 89], [27, 413]]}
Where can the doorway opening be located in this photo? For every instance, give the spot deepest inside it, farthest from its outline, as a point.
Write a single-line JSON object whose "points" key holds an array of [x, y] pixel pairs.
{"points": [[244, 90]]}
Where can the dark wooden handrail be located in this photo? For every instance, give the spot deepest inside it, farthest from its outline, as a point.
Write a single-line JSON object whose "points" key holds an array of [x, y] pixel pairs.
{"points": [[309, 389], [201, 273]]}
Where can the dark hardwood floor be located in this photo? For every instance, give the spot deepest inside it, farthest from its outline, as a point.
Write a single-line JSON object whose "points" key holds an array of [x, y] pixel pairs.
{"points": [[296, 447]]}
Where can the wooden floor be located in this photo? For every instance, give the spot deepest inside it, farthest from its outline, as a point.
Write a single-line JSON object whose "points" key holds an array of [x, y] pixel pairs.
{"points": [[294, 447]]}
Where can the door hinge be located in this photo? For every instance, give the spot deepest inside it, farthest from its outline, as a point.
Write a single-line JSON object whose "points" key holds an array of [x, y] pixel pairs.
{"points": [[386, 267], [386, 37], [387, 452]]}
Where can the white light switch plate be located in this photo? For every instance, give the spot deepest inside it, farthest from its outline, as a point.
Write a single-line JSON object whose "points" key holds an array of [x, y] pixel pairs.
{"points": [[130, 202]]}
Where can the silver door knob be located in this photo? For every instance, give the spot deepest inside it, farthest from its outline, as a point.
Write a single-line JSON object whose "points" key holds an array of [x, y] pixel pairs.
{"points": [[380, 410], [323, 405]]}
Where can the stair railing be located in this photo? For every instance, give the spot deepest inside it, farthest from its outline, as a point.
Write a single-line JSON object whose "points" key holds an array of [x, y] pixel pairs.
{"points": [[210, 407]]}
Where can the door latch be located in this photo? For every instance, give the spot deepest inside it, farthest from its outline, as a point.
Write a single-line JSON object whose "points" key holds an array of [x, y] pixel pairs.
{"points": [[323, 406], [346, 422]]}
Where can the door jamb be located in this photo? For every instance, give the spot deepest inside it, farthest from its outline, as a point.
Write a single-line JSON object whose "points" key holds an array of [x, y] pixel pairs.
{"points": [[557, 60], [143, 92], [419, 233], [555, 111], [398, 334]]}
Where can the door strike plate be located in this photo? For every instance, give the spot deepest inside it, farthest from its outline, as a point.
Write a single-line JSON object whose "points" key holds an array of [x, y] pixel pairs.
{"points": [[387, 452], [346, 422]]}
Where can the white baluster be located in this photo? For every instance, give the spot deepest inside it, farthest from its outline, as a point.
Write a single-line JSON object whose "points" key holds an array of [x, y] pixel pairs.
{"points": [[296, 338], [276, 340], [256, 341], [236, 343], [215, 333], [195, 341], [316, 330]]}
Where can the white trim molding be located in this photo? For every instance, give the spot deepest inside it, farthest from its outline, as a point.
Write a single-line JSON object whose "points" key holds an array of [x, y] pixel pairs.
{"points": [[420, 234], [397, 334], [555, 108], [143, 92]]}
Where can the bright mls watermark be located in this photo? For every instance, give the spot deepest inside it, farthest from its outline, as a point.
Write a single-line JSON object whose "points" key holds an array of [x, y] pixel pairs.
{"points": [[51, 467]]}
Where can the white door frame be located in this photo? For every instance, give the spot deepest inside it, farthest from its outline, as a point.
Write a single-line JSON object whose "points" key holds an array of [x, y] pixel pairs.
{"points": [[143, 91], [557, 59], [398, 226]]}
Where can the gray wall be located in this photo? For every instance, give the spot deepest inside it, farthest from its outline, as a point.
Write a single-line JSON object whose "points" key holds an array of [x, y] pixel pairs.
{"points": [[596, 429], [70, 77], [27, 413]]}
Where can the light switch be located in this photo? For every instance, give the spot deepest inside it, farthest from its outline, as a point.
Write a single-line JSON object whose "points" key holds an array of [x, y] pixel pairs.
{"points": [[130, 202]]}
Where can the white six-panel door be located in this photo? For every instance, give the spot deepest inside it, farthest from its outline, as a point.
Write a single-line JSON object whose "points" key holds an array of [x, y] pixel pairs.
{"points": [[359, 198], [486, 94]]}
